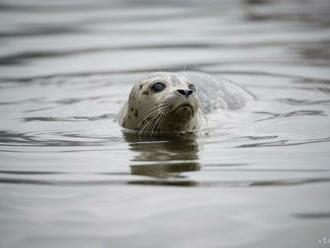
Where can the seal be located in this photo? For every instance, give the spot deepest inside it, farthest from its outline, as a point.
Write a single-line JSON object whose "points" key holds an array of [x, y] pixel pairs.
{"points": [[167, 102]]}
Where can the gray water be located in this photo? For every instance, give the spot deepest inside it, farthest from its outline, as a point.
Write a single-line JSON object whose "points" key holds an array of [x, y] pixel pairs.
{"points": [[255, 177]]}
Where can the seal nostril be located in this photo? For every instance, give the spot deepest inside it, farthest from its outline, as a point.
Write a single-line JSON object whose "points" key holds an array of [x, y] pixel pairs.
{"points": [[185, 92], [182, 92]]}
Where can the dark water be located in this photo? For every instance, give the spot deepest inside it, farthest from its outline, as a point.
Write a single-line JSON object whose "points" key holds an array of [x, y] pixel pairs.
{"points": [[256, 177]]}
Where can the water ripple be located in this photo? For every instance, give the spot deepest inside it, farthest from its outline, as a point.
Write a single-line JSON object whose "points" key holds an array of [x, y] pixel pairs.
{"points": [[165, 182], [285, 142], [72, 118], [8, 138], [305, 102], [316, 215], [291, 114]]}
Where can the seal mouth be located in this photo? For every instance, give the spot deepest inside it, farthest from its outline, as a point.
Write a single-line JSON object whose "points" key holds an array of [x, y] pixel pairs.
{"points": [[184, 108]]}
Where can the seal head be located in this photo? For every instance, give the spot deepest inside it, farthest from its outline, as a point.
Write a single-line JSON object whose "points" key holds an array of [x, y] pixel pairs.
{"points": [[161, 102]]}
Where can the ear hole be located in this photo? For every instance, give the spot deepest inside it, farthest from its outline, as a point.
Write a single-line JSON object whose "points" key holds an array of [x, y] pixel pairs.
{"points": [[192, 87]]}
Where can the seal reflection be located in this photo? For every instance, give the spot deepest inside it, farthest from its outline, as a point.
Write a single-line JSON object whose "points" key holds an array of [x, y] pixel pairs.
{"points": [[164, 158]]}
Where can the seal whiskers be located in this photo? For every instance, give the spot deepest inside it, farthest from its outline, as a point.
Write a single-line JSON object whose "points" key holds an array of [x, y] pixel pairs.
{"points": [[149, 125], [150, 116]]}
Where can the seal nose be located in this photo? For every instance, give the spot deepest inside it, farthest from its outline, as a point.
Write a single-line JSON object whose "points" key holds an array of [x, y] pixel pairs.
{"points": [[185, 93]]}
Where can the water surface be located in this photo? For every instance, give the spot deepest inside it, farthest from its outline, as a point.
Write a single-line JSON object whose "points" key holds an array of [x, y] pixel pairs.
{"points": [[256, 177]]}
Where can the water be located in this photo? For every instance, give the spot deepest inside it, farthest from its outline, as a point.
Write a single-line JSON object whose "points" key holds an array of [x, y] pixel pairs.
{"points": [[256, 177]]}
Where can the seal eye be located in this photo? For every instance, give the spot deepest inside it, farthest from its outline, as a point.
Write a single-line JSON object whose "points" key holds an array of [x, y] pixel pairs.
{"points": [[192, 87], [157, 87]]}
